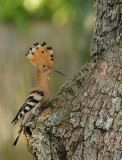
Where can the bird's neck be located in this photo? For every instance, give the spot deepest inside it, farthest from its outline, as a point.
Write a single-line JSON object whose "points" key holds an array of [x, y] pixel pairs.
{"points": [[43, 84], [42, 80]]}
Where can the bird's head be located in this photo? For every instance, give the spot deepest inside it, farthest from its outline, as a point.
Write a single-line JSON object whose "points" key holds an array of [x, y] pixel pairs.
{"points": [[41, 56]]}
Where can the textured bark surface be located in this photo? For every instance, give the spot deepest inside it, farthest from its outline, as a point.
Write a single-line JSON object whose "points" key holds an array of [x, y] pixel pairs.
{"points": [[84, 119], [108, 26]]}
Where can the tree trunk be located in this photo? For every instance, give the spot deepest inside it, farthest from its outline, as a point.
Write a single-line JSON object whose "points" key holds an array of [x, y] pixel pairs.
{"points": [[84, 119]]}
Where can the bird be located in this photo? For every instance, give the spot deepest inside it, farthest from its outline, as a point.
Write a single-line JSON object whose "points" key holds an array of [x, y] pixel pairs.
{"points": [[41, 56]]}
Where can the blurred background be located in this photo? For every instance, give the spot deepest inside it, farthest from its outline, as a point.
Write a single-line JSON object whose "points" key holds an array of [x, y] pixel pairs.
{"points": [[66, 25]]}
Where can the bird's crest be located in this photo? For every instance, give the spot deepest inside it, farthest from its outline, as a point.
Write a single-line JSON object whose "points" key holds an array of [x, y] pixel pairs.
{"points": [[41, 54]]}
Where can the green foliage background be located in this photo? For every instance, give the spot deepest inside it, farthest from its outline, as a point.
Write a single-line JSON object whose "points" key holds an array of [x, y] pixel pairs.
{"points": [[20, 17]]}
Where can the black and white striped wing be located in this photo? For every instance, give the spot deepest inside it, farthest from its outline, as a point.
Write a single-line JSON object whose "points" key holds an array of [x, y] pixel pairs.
{"points": [[33, 99]]}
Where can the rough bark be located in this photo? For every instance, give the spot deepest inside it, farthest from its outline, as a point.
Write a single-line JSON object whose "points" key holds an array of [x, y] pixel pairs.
{"points": [[84, 119], [108, 26]]}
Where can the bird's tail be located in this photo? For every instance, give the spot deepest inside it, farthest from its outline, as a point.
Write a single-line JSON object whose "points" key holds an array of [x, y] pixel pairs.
{"points": [[19, 133], [15, 120]]}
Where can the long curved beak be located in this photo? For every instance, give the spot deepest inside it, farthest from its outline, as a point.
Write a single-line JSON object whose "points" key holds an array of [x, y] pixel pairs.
{"points": [[57, 72]]}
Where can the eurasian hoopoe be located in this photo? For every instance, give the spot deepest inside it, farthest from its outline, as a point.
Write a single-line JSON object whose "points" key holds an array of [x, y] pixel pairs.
{"points": [[42, 58]]}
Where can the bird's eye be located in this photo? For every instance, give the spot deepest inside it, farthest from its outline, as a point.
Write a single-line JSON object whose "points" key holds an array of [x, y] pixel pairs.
{"points": [[42, 51], [43, 65]]}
